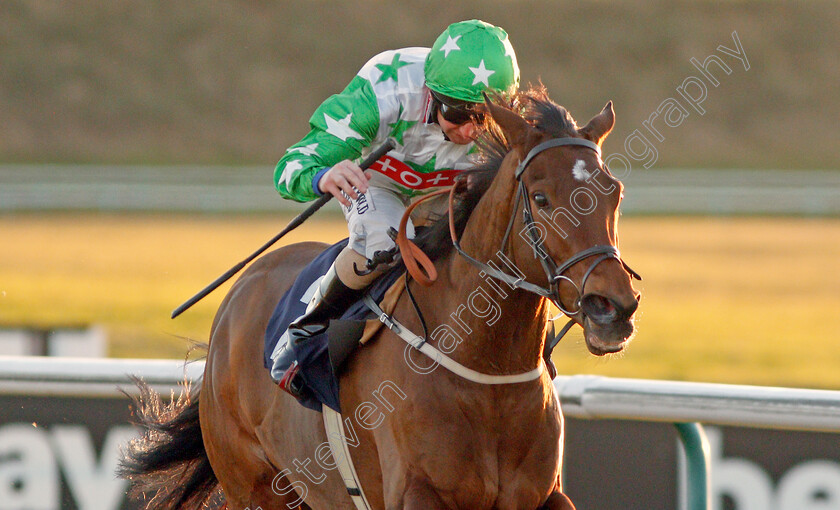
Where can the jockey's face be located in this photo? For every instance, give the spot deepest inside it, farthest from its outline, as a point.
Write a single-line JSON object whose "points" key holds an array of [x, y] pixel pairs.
{"points": [[461, 134]]}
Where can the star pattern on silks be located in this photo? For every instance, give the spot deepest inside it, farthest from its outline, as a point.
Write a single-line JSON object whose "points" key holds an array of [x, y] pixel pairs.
{"points": [[306, 150], [341, 128], [390, 71], [509, 50], [451, 45], [290, 168], [482, 74], [399, 127], [432, 163]]}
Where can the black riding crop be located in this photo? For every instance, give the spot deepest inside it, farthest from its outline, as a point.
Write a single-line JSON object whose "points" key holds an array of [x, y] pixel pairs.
{"points": [[296, 222]]}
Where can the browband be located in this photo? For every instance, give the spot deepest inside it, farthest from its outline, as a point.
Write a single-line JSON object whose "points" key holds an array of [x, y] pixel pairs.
{"points": [[555, 142]]}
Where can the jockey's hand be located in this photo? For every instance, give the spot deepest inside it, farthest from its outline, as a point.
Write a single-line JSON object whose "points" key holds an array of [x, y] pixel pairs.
{"points": [[344, 177]]}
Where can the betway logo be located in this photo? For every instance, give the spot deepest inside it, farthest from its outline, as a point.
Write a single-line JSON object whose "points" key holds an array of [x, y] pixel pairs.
{"points": [[410, 178], [33, 462], [809, 485]]}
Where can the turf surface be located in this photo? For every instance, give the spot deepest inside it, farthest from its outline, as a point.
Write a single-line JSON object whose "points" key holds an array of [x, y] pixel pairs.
{"points": [[735, 300]]}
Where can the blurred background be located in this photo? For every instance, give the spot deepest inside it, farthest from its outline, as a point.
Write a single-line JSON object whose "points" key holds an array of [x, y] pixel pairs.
{"points": [[138, 141]]}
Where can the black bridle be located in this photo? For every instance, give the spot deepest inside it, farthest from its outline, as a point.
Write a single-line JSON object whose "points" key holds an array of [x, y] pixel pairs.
{"points": [[554, 273]]}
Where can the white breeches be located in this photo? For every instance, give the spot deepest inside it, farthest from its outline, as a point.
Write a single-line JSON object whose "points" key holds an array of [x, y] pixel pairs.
{"points": [[370, 217]]}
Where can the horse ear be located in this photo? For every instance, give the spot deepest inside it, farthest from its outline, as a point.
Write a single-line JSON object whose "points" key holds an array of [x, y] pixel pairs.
{"points": [[514, 126], [600, 125]]}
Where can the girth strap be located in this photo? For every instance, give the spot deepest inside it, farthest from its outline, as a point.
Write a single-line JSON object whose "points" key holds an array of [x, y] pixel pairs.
{"points": [[341, 455]]}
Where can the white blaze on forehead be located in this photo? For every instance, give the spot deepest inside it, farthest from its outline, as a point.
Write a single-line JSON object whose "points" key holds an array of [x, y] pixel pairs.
{"points": [[580, 172]]}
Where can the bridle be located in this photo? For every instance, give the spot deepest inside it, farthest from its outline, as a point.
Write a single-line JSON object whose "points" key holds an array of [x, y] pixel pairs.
{"points": [[555, 274], [422, 270]]}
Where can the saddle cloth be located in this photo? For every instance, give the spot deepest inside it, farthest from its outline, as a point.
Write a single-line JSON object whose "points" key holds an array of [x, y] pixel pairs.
{"points": [[313, 355]]}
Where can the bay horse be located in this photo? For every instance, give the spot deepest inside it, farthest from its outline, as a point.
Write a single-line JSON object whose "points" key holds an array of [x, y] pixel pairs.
{"points": [[421, 438]]}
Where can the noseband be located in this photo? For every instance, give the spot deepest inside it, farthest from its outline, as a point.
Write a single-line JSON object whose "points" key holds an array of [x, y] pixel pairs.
{"points": [[554, 273]]}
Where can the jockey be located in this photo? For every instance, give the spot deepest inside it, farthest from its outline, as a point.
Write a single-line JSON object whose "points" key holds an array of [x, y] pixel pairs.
{"points": [[426, 101]]}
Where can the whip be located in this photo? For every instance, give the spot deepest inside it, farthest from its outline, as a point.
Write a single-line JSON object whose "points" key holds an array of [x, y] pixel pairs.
{"points": [[296, 222]]}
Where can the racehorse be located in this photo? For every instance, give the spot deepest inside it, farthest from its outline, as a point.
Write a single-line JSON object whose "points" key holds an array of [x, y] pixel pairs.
{"points": [[539, 217]]}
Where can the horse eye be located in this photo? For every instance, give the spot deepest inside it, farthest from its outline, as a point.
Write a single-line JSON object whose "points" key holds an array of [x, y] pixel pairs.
{"points": [[540, 200]]}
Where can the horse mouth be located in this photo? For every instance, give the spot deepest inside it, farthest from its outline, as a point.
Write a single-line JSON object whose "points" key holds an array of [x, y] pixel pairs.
{"points": [[603, 339]]}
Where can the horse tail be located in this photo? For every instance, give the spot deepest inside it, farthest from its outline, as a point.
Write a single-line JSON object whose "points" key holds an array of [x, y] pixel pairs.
{"points": [[169, 462]]}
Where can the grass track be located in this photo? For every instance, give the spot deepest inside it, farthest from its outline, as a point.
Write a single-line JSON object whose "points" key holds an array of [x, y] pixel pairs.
{"points": [[735, 300]]}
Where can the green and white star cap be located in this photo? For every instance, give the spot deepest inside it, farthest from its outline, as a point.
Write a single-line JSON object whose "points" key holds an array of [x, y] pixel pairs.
{"points": [[470, 57]]}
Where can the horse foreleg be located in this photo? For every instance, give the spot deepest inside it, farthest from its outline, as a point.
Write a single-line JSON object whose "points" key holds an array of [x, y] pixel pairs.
{"points": [[558, 501]]}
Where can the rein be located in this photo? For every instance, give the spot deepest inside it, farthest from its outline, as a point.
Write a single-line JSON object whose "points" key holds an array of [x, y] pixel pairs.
{"points": [[414, 259], [554, 273]]}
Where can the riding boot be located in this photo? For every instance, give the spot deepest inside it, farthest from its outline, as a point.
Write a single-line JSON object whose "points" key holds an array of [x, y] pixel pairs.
{"points": [[332, 298]]}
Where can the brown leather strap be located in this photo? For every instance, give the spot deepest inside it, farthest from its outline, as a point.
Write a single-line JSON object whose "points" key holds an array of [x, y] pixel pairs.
{"points": [[413, 257], [452, 233]]}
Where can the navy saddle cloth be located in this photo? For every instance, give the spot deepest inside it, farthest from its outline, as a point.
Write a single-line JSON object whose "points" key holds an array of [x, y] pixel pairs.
{"points": [[312, 355]]}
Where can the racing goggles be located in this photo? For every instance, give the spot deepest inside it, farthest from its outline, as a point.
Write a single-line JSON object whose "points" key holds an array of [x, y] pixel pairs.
{"points": [[457, 112]]}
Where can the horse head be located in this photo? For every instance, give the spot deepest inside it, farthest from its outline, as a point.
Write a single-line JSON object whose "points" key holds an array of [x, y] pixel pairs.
{"points": [[568, 203]]}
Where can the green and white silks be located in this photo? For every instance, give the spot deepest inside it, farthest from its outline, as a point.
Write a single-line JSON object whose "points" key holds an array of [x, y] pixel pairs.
{"points": [[389, 99]]}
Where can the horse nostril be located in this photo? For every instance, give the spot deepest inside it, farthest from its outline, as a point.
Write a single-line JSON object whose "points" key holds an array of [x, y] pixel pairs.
{"points": [[627, 312], [599, 309], [603, 310]]}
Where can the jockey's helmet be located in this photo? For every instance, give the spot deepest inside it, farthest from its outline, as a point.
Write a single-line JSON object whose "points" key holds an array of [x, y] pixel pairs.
{"points": [[471, 57]]}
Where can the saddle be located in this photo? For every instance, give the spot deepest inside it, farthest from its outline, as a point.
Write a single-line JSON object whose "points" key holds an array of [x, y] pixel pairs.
{"points": [[321, 357]]}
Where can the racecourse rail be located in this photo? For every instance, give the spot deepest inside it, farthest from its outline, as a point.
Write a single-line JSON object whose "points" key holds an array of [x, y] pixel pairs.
{"points": [[686, 404], [582, 396], [249, 189]]}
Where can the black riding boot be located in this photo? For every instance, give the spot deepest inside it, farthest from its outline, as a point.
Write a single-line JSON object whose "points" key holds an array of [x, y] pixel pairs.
{"points": [[332, 298]]}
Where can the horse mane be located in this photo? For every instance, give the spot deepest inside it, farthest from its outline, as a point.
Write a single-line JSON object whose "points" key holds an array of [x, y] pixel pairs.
{"points": [[541, 112]]}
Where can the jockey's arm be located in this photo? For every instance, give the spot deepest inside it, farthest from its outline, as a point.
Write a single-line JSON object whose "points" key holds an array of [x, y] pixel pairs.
{"points": [[341, 128], [344, 178]]}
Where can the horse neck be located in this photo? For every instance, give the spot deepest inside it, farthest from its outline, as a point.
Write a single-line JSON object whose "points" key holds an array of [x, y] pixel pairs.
{"points": [[503, 327]]}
